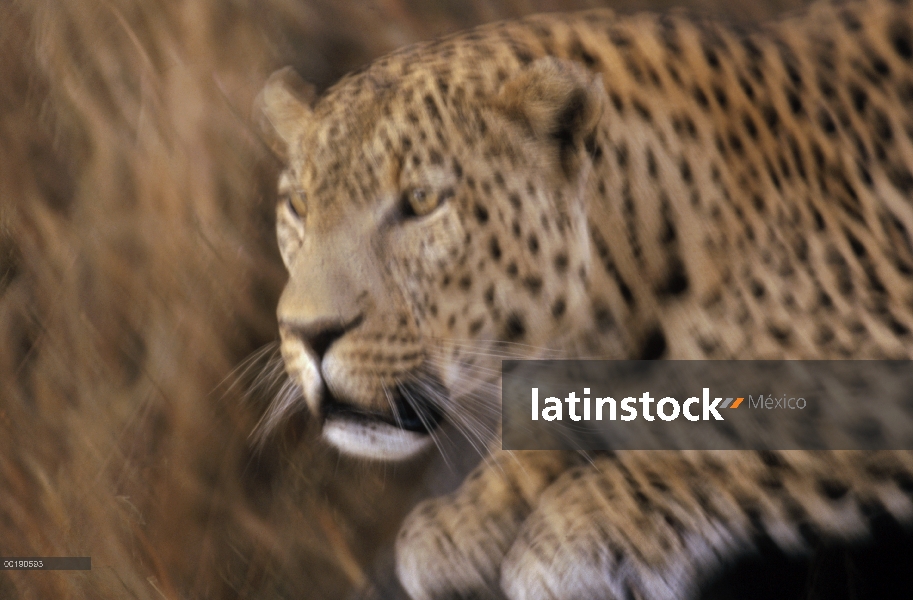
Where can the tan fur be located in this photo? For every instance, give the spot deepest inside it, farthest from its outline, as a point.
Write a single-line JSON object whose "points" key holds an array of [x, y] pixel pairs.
{"points": [[594, 185]]}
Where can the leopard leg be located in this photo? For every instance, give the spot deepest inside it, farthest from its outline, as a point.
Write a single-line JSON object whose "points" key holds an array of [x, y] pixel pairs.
{"points": [[452, 546], [657, 525]]}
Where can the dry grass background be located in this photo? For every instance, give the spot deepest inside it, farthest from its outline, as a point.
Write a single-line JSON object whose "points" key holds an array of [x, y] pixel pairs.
{"points": [[138, 269]]}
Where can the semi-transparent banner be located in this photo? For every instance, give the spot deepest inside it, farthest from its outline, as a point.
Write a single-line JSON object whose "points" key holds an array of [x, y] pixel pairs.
{"points": [[707, 405]]}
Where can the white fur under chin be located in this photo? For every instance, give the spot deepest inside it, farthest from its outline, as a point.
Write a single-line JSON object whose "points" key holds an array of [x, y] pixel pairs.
{"points": [[374, 439]]}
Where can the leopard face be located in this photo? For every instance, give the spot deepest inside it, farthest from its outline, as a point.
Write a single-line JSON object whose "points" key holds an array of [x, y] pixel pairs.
{"points": [[428, 233]]}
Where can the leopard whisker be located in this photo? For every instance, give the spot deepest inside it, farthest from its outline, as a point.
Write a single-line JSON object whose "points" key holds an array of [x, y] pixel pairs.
{"points": [[474, 430], [248, 364], [285, 401], [426, 423]]}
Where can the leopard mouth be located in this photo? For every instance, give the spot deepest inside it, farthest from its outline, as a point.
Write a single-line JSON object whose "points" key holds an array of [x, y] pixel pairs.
{"points": [[405, 431]]}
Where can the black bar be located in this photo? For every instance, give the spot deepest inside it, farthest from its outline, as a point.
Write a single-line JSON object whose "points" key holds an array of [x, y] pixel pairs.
{"points": [[46, 563]]}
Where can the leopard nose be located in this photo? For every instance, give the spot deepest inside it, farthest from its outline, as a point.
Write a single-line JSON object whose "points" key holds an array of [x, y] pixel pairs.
{"points": [[321, 334]]}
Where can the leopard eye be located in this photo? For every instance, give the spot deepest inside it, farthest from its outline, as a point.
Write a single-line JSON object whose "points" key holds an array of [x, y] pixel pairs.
{"points": [[418, 202], [295, 203]]}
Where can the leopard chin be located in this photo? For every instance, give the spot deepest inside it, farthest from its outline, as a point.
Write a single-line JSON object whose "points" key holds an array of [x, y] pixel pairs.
{"points": [[374, 439]]}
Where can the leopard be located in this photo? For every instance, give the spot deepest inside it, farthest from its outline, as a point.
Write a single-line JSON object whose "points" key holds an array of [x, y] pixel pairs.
{"points": [[644, 186]]}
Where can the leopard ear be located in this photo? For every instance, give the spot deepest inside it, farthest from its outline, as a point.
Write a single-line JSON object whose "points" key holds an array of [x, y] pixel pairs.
{"points": [[284, 110], [559, 101]]}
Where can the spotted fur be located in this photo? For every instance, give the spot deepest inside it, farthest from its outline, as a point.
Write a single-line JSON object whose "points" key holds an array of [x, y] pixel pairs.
{"points": [[595, 185]]}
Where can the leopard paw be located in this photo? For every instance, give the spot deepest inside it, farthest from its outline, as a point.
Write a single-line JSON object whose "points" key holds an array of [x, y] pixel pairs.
{"points": [[453, 546], [597, 534]]}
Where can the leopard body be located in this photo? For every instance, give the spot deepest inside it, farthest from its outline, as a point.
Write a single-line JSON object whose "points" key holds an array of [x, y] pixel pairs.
{"points": [[603, 186]]}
